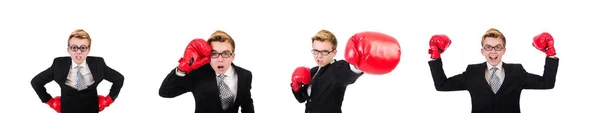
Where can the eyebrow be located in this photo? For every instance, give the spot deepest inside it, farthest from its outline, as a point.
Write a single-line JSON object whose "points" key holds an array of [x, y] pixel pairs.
{"points": [[491, 45], [217, 51], [321, 50]]}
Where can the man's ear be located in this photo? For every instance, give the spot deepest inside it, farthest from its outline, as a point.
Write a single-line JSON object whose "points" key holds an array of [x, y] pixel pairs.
{"points": [[481, 51]]}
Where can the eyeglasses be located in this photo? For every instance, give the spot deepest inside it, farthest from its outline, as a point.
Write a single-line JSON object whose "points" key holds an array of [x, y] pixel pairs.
{"points": [[224, 54], [322, 52], [83, 48], [497, 47]]}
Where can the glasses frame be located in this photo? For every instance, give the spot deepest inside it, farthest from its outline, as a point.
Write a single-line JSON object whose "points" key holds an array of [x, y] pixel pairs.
{"points": [[82, 48], [223, 54], [322, 52], [490, 48]]}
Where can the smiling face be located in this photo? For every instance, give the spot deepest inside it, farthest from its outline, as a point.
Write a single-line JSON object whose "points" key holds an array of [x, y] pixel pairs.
{"points": [[493, 50], [493, 45]]}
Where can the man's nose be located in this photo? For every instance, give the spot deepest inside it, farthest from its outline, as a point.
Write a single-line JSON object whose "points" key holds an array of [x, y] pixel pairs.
{"points": [[220, 58], [319, 55], [494, 52]]}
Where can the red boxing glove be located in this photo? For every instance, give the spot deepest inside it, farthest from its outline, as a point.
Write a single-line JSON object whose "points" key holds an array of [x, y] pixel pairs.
{"points": [[545, 43], [373, 52], [438, 44], [301, 76], [54, 103], [104, 102], [196, 54]]}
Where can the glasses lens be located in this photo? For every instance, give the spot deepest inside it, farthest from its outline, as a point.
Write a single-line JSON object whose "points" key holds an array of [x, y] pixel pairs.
{"points": [[73, 48], [315, 52], [226, 54], [325, 53], [498, 48], [83, 48], [214, 55], [488, 48]]}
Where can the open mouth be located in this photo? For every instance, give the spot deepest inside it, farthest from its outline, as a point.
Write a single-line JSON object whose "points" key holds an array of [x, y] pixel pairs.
{"points": [[493, 57], [220, 67], [319, 61]]}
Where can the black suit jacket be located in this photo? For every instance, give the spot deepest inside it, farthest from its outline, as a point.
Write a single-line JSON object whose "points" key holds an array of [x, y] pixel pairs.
{"points": [[202, 82], [73, 101], [328, 88], [483, 99]]}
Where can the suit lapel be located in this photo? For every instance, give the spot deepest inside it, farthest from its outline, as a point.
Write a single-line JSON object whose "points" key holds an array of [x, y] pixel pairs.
{"points": [[241, 79], [483, 67], [94, 69], [212, 86], [507, 78], [64, 70], [321, 82], [312, 73]]}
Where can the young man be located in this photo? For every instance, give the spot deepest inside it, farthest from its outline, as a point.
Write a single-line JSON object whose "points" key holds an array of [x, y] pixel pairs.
{"points": [[78, 76], [220, 86], [495, 86], [368, 52]]}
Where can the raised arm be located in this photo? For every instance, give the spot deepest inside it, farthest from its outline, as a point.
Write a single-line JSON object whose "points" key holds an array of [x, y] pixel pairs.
{"points": [[442, 83], [534, 81]]}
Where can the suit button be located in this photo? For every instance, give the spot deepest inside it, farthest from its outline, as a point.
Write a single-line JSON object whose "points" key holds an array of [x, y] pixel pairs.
{"points": [[495, 109], [495, 97]]}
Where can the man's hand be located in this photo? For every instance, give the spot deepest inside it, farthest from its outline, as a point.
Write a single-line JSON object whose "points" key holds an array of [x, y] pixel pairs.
{"points": [[104, 101], [196, 54], [438, 44], [54, 103], [545, 43]]}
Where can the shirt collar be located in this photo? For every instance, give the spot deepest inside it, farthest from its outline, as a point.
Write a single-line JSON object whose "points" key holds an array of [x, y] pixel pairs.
{"points": [[83, 64], [499, 66], [228, 73]]}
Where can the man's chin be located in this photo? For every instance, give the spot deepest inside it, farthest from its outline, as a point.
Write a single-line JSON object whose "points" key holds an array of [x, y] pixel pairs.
{"points": [[78, 61], [493, 63], [220, 72]]}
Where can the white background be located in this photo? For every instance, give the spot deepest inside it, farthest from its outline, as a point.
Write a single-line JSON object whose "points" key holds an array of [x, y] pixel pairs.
{"points": [[143, 40]]}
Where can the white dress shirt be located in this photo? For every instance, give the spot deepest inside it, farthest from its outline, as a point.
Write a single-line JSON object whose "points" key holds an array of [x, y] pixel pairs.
{"points": [[499, 72], [85, 71], [352, 67], [231, 79]]}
